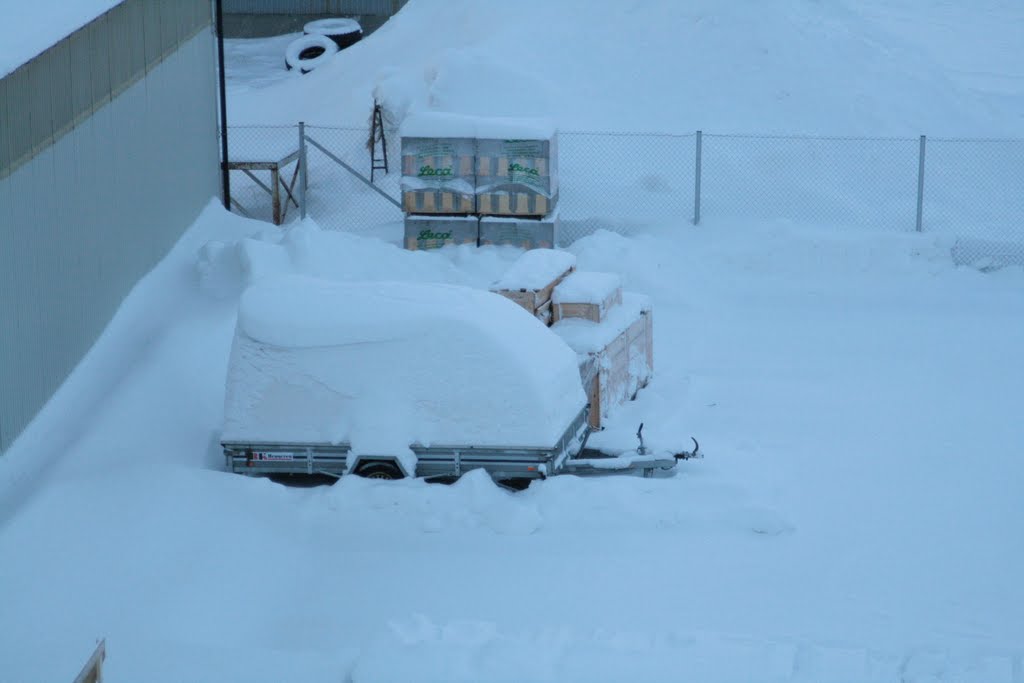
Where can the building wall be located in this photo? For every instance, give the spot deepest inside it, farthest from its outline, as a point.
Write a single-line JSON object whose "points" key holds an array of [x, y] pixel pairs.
{"points": [[110, 152], [335, 7]]}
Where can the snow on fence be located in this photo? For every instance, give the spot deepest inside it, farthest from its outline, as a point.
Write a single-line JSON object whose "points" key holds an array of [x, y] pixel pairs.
{"points": [[966, 188]]}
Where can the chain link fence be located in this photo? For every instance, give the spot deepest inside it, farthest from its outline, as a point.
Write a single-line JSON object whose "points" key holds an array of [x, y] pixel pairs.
{"points": [[253, 152], [969, 189]]}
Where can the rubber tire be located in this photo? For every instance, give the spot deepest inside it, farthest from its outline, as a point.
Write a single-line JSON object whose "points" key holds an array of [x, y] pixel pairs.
{"points": [[303, 45], [387, 471], [515, 485], [344, 32]]}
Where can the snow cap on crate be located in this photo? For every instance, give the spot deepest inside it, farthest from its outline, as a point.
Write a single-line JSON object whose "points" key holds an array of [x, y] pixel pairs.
{"points": [[536, 269], [586, 287], [384, 365]]}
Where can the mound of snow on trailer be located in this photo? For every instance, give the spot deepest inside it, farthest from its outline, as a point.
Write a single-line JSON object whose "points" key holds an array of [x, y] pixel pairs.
{"points": [[386, 365]]}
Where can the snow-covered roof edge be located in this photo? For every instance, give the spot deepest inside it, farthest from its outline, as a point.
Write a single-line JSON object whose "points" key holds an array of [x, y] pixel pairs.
{"points": [[34, 28]]}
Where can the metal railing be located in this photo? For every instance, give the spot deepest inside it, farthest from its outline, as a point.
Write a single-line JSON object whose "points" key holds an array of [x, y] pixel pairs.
{"points": [[624, 181]]}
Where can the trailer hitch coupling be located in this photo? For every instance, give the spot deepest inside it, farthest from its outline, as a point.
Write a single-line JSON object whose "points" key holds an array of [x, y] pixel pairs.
{"points": [[682, 455], [687, 455]]}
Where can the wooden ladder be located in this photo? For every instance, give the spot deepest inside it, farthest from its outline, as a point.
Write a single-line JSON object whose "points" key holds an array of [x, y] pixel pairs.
{"points": [[377, 138]]}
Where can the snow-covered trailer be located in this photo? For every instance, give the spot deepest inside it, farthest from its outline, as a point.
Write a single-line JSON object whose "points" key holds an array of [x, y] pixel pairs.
{"points": [[393, 379]]}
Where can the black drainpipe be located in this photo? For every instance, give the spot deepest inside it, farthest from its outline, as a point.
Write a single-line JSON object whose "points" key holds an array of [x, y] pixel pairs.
{"points": [[224, 175]]}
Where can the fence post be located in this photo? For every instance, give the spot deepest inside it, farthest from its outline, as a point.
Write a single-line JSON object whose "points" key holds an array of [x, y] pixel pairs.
{"points": [[920, 183], [696, 176], [302, 169]]}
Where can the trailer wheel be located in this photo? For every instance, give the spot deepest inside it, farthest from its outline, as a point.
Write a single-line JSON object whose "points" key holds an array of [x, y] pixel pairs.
{"points": [[380, 470], [515, 485]]}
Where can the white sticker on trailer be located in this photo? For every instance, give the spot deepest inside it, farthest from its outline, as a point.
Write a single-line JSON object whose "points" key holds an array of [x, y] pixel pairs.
{"points": [[274, 456]]}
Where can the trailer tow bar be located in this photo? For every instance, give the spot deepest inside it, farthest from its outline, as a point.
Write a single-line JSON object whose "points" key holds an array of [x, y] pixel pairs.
{"points": [[641, 449], [688, 455], [682, 455]]}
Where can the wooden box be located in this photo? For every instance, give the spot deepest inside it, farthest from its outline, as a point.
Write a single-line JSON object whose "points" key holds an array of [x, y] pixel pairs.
{"points": [[531, 280], [586, 295], [616, 356]]}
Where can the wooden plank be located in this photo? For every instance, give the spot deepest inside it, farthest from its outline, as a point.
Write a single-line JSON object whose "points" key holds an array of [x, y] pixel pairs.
{"points": [[544, 314], [252, 165], [525, 298], [592, 311], [594, 398], [615, 382], [544, 295]]}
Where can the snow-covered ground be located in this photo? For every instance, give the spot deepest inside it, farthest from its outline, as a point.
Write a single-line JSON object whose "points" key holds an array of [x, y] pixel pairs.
{"points": [[844, 67], [857, 394]]}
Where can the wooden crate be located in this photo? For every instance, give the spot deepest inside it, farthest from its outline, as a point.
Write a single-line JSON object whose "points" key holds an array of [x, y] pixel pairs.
{"points": [[606, 288], [612, 375], [533, 300], [541, 266], [625, 367]]}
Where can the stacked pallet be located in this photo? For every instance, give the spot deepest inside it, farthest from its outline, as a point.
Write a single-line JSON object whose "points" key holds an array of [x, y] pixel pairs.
{"points": [[438, 181], [438, 159], [533, 278], [517, 183], [503, 173]]}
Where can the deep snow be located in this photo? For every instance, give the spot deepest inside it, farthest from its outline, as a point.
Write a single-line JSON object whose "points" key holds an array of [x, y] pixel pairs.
{"points": [[856, 515], [857, 394], [844, 67]]}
